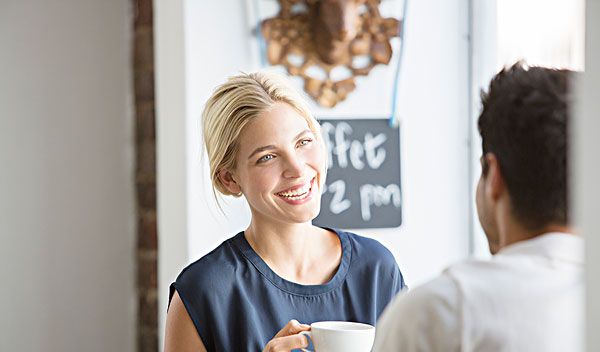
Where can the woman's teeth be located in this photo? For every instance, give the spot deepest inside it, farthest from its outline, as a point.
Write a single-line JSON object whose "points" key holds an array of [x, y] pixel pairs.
{"points": [[297, 194]]}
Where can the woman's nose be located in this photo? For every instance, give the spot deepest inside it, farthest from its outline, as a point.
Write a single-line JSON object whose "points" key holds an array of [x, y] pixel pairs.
{"points": [[294, 167]]}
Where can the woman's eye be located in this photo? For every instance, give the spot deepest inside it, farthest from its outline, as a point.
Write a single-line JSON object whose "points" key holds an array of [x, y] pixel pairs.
{"points": [[264, 158], [304, 142]]}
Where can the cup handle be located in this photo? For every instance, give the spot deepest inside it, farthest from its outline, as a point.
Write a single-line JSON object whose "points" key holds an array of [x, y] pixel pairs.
{"points": [[308, 335]]}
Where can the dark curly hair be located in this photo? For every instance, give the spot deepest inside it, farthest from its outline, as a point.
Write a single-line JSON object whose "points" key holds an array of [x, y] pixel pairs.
{"points": [[525, 123]]}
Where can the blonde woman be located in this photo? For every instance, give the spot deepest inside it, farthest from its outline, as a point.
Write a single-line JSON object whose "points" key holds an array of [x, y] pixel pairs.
{"points": [[260, 288]]}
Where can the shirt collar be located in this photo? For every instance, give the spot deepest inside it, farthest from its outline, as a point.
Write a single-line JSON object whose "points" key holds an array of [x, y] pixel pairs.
{"points": [[555, 245]]}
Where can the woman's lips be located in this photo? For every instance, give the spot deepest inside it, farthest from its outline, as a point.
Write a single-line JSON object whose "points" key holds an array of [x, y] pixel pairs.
{"points": [[298, 195]]}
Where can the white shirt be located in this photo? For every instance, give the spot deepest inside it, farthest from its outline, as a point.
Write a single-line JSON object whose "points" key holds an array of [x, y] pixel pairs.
{"points": [[528, 297]]}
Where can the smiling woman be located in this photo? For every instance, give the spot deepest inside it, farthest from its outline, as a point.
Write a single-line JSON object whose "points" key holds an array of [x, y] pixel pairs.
{"points": [[282, 174], [251, 292]]}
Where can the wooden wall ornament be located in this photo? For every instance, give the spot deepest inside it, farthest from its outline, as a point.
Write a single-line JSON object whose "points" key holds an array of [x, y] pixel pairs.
{"points": [[328, 43]]}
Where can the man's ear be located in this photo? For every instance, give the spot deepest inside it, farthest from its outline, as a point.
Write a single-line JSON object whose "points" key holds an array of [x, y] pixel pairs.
{"points": [[495, 185], [227, 179]]}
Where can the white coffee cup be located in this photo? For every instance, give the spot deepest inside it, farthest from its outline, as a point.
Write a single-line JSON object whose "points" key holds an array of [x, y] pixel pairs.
{"points": [[338, 336]]}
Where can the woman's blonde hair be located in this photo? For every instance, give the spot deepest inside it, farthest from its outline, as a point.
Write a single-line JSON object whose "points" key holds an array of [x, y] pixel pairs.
{"points": [[233, 105]]}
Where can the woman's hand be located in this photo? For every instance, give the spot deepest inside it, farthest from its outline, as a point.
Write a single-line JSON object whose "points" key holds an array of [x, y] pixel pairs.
{"points": [[288, 339]]}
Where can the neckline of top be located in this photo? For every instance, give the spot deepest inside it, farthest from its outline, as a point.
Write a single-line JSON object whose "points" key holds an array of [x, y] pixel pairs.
{"points": [[248, 252]]}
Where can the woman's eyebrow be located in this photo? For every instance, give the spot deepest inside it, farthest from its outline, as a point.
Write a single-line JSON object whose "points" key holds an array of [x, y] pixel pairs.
{"points": [[303, 132], [261, 149]]}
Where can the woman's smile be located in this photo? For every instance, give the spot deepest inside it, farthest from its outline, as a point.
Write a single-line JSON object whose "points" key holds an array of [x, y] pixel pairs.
{"points": [[298, 194]]}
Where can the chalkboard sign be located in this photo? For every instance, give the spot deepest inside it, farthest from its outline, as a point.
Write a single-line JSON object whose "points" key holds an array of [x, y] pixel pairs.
{"points": [[363, 179]]}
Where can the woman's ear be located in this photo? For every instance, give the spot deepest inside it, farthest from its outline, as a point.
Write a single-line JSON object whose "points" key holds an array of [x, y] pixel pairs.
{"points": [[227, 179]]}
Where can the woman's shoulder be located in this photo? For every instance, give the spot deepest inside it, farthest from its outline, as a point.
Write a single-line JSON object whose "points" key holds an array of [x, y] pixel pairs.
{"points": [[218, 264], [366, 247], [370, 257]]}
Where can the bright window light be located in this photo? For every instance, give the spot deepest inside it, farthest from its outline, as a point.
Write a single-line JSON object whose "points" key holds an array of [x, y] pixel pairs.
{"points": [[541, 32]]}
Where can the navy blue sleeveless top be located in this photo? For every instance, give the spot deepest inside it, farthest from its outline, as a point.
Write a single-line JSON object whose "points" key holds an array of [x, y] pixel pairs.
{"points": [[237, 303]]}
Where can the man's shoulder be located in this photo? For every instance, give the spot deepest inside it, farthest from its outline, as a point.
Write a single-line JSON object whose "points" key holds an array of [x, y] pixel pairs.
{"points": [[425, 318], [442, 290], [489, 273], [472, 267]]}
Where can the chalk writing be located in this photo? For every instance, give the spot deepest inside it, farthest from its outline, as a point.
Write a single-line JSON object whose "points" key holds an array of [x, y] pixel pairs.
{"points": [[343, 148], [338, 202], [362, 189], [378, 195]]}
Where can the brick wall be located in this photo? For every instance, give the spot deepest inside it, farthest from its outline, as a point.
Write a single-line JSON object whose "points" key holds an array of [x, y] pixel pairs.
{"points": [[147, 244]]}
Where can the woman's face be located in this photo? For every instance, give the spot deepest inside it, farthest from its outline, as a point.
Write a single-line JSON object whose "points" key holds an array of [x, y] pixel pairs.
{"points": [[281, 166]]}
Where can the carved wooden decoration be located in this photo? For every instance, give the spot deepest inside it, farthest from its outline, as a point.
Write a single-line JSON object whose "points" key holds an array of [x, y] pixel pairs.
{"points": [[328, 43]]}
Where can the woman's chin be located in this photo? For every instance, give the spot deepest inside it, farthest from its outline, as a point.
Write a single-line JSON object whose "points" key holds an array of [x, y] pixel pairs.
{"points": [[307, 215]]}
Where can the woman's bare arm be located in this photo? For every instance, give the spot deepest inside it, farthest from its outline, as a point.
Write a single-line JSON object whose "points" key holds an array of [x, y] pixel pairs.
{"points": [[181, 334]]}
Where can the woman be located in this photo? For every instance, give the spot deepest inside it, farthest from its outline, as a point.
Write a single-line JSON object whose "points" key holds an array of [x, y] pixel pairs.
{"points": [[250, 292]]}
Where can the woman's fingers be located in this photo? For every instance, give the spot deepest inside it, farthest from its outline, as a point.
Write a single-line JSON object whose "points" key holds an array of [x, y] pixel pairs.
{"points": [[292, 328], [288, 338], [286, 343]]}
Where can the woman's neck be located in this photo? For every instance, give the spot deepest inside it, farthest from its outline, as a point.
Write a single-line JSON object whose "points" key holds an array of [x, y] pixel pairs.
{"points": [[301, 253]]}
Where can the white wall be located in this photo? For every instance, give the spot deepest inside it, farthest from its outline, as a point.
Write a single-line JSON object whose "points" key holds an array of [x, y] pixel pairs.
{"points": [[587, 170], [67, 223], [170, 147], [484, 65]]}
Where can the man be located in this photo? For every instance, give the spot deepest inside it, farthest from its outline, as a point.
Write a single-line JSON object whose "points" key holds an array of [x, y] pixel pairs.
{"points": [[529, 296]]}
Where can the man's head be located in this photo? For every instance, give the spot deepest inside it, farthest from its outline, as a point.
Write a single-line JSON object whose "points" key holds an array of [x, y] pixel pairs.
{"points": [[524, 130]]}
